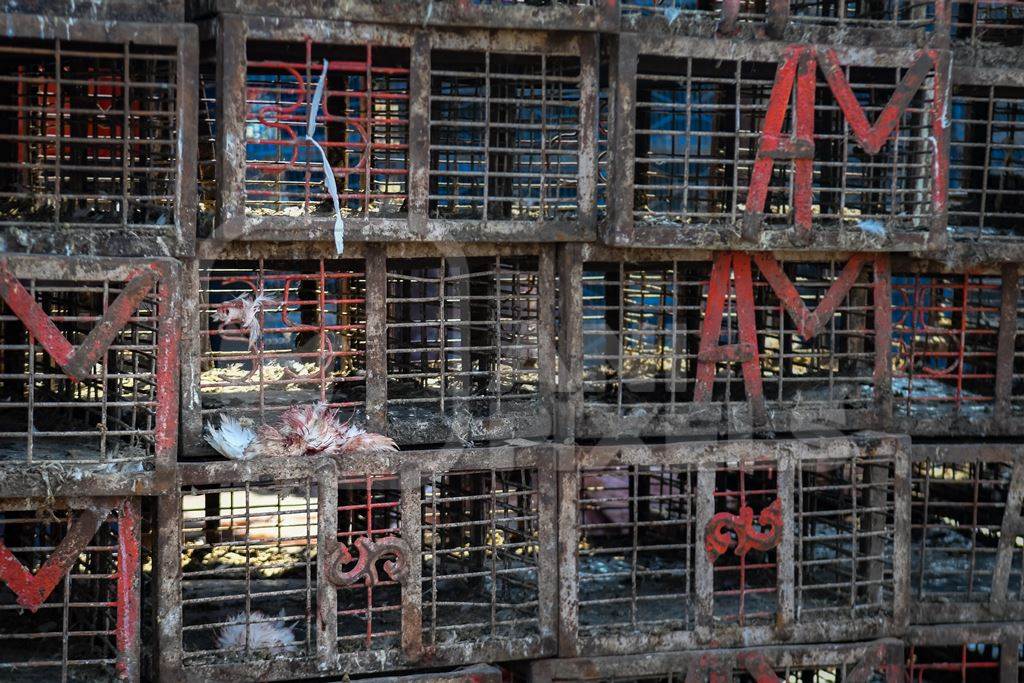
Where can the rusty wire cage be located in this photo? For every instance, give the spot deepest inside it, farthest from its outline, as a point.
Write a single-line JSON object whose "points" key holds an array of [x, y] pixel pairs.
{"points": [[462, 343], [987, 23], [469, 136], [987, 160], [306, 567], [97, 140], [880, 661], [951, 653], [69, 589], [89, 373], [965, 523], [469, 347], [563, 15], [708, 169], [642, 325], [649, 561], [307, 342], [953, 336]]}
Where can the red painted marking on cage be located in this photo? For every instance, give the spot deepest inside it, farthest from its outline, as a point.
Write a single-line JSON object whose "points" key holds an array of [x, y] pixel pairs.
{"points": [[710, 668], [873, 138], [797, 73], [75, 361], [33, 589], [809, 323], [128, 605], [369, 552], [746, 352], [718, 539]]}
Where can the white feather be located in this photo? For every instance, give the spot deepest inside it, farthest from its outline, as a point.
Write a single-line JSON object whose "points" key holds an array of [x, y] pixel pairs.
{"points": [[245, 311], [264, 635], [231, 438]]}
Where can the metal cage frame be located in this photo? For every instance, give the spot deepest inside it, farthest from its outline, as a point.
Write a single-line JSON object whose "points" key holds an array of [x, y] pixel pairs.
{"points": [[499, 424], [786, 458], [411, 469], [178, 239], [229, 35], [744, 229], [577, 15], [141, 276]]}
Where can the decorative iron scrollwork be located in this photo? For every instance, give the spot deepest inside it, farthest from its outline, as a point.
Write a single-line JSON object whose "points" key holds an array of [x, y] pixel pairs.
{"points": [[718, 539], [369, 551]]}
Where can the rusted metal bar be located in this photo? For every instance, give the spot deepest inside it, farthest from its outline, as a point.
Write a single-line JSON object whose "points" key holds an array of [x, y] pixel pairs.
{"points": [[129, 598], [1009, 531], [376, 330], [570, 341], [882, 371], [619, 227], [586, 187], [568, 540], [419, 133], [411, 519], [167, 580], [187, 116], [1006, 344]]}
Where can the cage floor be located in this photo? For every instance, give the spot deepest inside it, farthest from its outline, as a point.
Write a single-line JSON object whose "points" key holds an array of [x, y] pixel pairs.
{"points": [[72, 451]]}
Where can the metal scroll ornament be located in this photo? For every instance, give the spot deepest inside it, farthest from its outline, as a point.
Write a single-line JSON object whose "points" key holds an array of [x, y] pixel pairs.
{"points": [[368, 553], [726, 530]]}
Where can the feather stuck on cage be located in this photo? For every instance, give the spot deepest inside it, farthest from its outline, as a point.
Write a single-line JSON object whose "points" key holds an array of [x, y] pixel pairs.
{"points": [[231, 439], [314, 430], [244, 312], [264, 634]]}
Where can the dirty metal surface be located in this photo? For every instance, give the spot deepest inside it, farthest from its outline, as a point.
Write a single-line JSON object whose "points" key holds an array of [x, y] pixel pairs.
{"points": [[704, 120], [663, 336], [97, 147], [90, 374]]}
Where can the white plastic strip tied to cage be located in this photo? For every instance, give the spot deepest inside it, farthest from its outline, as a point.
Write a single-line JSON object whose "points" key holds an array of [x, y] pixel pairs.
{"points": [[329, 181]]}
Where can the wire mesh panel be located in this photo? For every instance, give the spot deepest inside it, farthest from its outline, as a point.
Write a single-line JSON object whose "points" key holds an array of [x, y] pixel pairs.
{"points": [[274, 333], [643, 324], [945, 338], [92, 136], [481, 558], [248, 585], [88, 366], [668, 547], [463, 348], [965, 562], [987, 22], [972, 662], [362, 125], [369, 614], [506, 131], [846, 512], [708, 164], [635, 553], [986, 162], [69, 597]]}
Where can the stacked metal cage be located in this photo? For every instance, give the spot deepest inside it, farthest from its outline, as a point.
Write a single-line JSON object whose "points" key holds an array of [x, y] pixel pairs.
{"points": [[695, 326]]}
